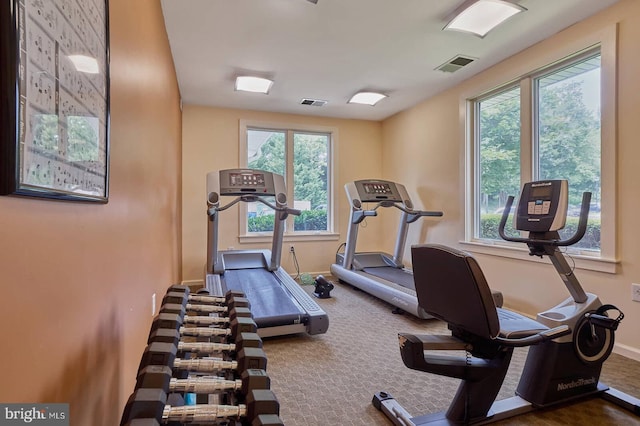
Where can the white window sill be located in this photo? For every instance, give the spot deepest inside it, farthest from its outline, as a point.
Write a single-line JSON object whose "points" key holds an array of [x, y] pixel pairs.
{"points": [[298, 236], [582, 261]]}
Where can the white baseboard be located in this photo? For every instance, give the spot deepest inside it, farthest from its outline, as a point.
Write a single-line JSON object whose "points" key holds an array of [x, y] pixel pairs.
{"points": [[628, 351]]}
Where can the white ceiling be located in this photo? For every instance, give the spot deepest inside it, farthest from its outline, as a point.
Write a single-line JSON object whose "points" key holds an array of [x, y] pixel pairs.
{"points": [[335, 48]]}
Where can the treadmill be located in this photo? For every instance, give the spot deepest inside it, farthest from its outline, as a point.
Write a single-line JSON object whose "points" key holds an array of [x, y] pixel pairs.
{"points": [[377, 273], [278, 304]]}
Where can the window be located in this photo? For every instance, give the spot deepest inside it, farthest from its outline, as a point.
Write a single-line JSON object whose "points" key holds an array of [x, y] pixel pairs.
{"points": [[499, 157], [303, 157], [568, 139], [545, 125]]}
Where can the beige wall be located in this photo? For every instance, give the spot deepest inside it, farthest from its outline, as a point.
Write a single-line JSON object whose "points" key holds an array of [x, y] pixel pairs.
{"points": [[78, 278], [423, 147], [210, 142], [431, 132]]}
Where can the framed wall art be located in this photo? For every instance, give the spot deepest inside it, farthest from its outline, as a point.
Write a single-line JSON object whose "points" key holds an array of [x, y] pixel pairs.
{"points": [[54, 99]]}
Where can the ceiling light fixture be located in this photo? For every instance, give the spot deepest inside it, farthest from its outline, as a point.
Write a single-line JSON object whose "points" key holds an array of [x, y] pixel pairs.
{"points": [[366, 98], [253, 84], [481, 16]]}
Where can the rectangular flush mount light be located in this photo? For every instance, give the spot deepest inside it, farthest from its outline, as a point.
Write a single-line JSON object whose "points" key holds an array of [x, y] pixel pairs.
{"points": [[253, 84], [367, 98], [481, 16]]}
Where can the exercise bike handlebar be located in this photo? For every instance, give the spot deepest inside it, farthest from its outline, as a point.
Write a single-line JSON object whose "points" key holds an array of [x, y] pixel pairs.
{"points": [[534, 339], [580, 231]]}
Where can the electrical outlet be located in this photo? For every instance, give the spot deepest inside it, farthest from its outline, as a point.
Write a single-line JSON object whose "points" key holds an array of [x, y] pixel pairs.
{"points": [[635, 292], [153, 304], [291, 249]]}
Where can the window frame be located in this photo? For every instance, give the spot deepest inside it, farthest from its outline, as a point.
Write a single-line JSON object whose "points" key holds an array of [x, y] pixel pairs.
{"points": [[606, 42], [289, 129]]}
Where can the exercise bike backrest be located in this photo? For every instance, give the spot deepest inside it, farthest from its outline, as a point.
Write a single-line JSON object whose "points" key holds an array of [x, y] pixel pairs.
{"points": [[542, 211]]}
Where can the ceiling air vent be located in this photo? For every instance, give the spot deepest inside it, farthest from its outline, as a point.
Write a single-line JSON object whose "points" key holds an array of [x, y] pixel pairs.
{"points": [[454, 64], [313, 102]]}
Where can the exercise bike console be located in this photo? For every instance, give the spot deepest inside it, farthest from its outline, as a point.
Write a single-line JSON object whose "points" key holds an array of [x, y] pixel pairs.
{"points": [[543, 207], [542, 211]]}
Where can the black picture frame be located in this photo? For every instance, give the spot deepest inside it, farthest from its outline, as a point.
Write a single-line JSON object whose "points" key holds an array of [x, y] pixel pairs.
{"points": [[54, 99]]}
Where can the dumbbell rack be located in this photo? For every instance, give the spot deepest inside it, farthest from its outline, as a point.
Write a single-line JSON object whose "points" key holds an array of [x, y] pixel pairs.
{"points": [[203, 365]]}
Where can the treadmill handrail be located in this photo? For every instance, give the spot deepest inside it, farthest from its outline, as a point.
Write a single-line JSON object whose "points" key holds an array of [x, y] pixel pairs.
{"points": [[250, 199], [414, 214], [361, 215], [358, 214]]}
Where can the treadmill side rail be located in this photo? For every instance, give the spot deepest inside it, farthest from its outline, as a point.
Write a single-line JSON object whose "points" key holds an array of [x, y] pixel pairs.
{"points": [[390, 292], [214, 285], [318, 320]]}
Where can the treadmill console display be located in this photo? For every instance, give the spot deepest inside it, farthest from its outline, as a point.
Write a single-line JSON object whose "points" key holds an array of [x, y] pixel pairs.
{"points": [[240, 182], [377, 190], [246, 179], [543, 206]]}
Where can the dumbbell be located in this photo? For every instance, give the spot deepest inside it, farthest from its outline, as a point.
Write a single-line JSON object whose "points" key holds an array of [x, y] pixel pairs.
{"points": [[161, 377], [160, 353], [223, 310], [242, 329], [174, 321], [237, 309], [166, 327], [179, 294], [152, 404], [182, 295], [242, 340], [209, 320], [201, 309]]}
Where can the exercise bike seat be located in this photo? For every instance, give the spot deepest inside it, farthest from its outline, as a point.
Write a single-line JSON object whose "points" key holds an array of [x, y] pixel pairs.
{"points": [[516, 326], [451, 286]]}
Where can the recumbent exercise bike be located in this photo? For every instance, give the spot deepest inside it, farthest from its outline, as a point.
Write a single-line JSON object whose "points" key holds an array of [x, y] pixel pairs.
{"points": [[568, 343]]}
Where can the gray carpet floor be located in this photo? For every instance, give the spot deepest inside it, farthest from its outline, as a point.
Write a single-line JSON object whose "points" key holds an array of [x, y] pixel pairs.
{"points": [[330, 379]]}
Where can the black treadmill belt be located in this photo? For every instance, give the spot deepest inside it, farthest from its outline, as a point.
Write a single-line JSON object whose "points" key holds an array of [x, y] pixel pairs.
{"points": [[271, 305], [394, 275]]}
